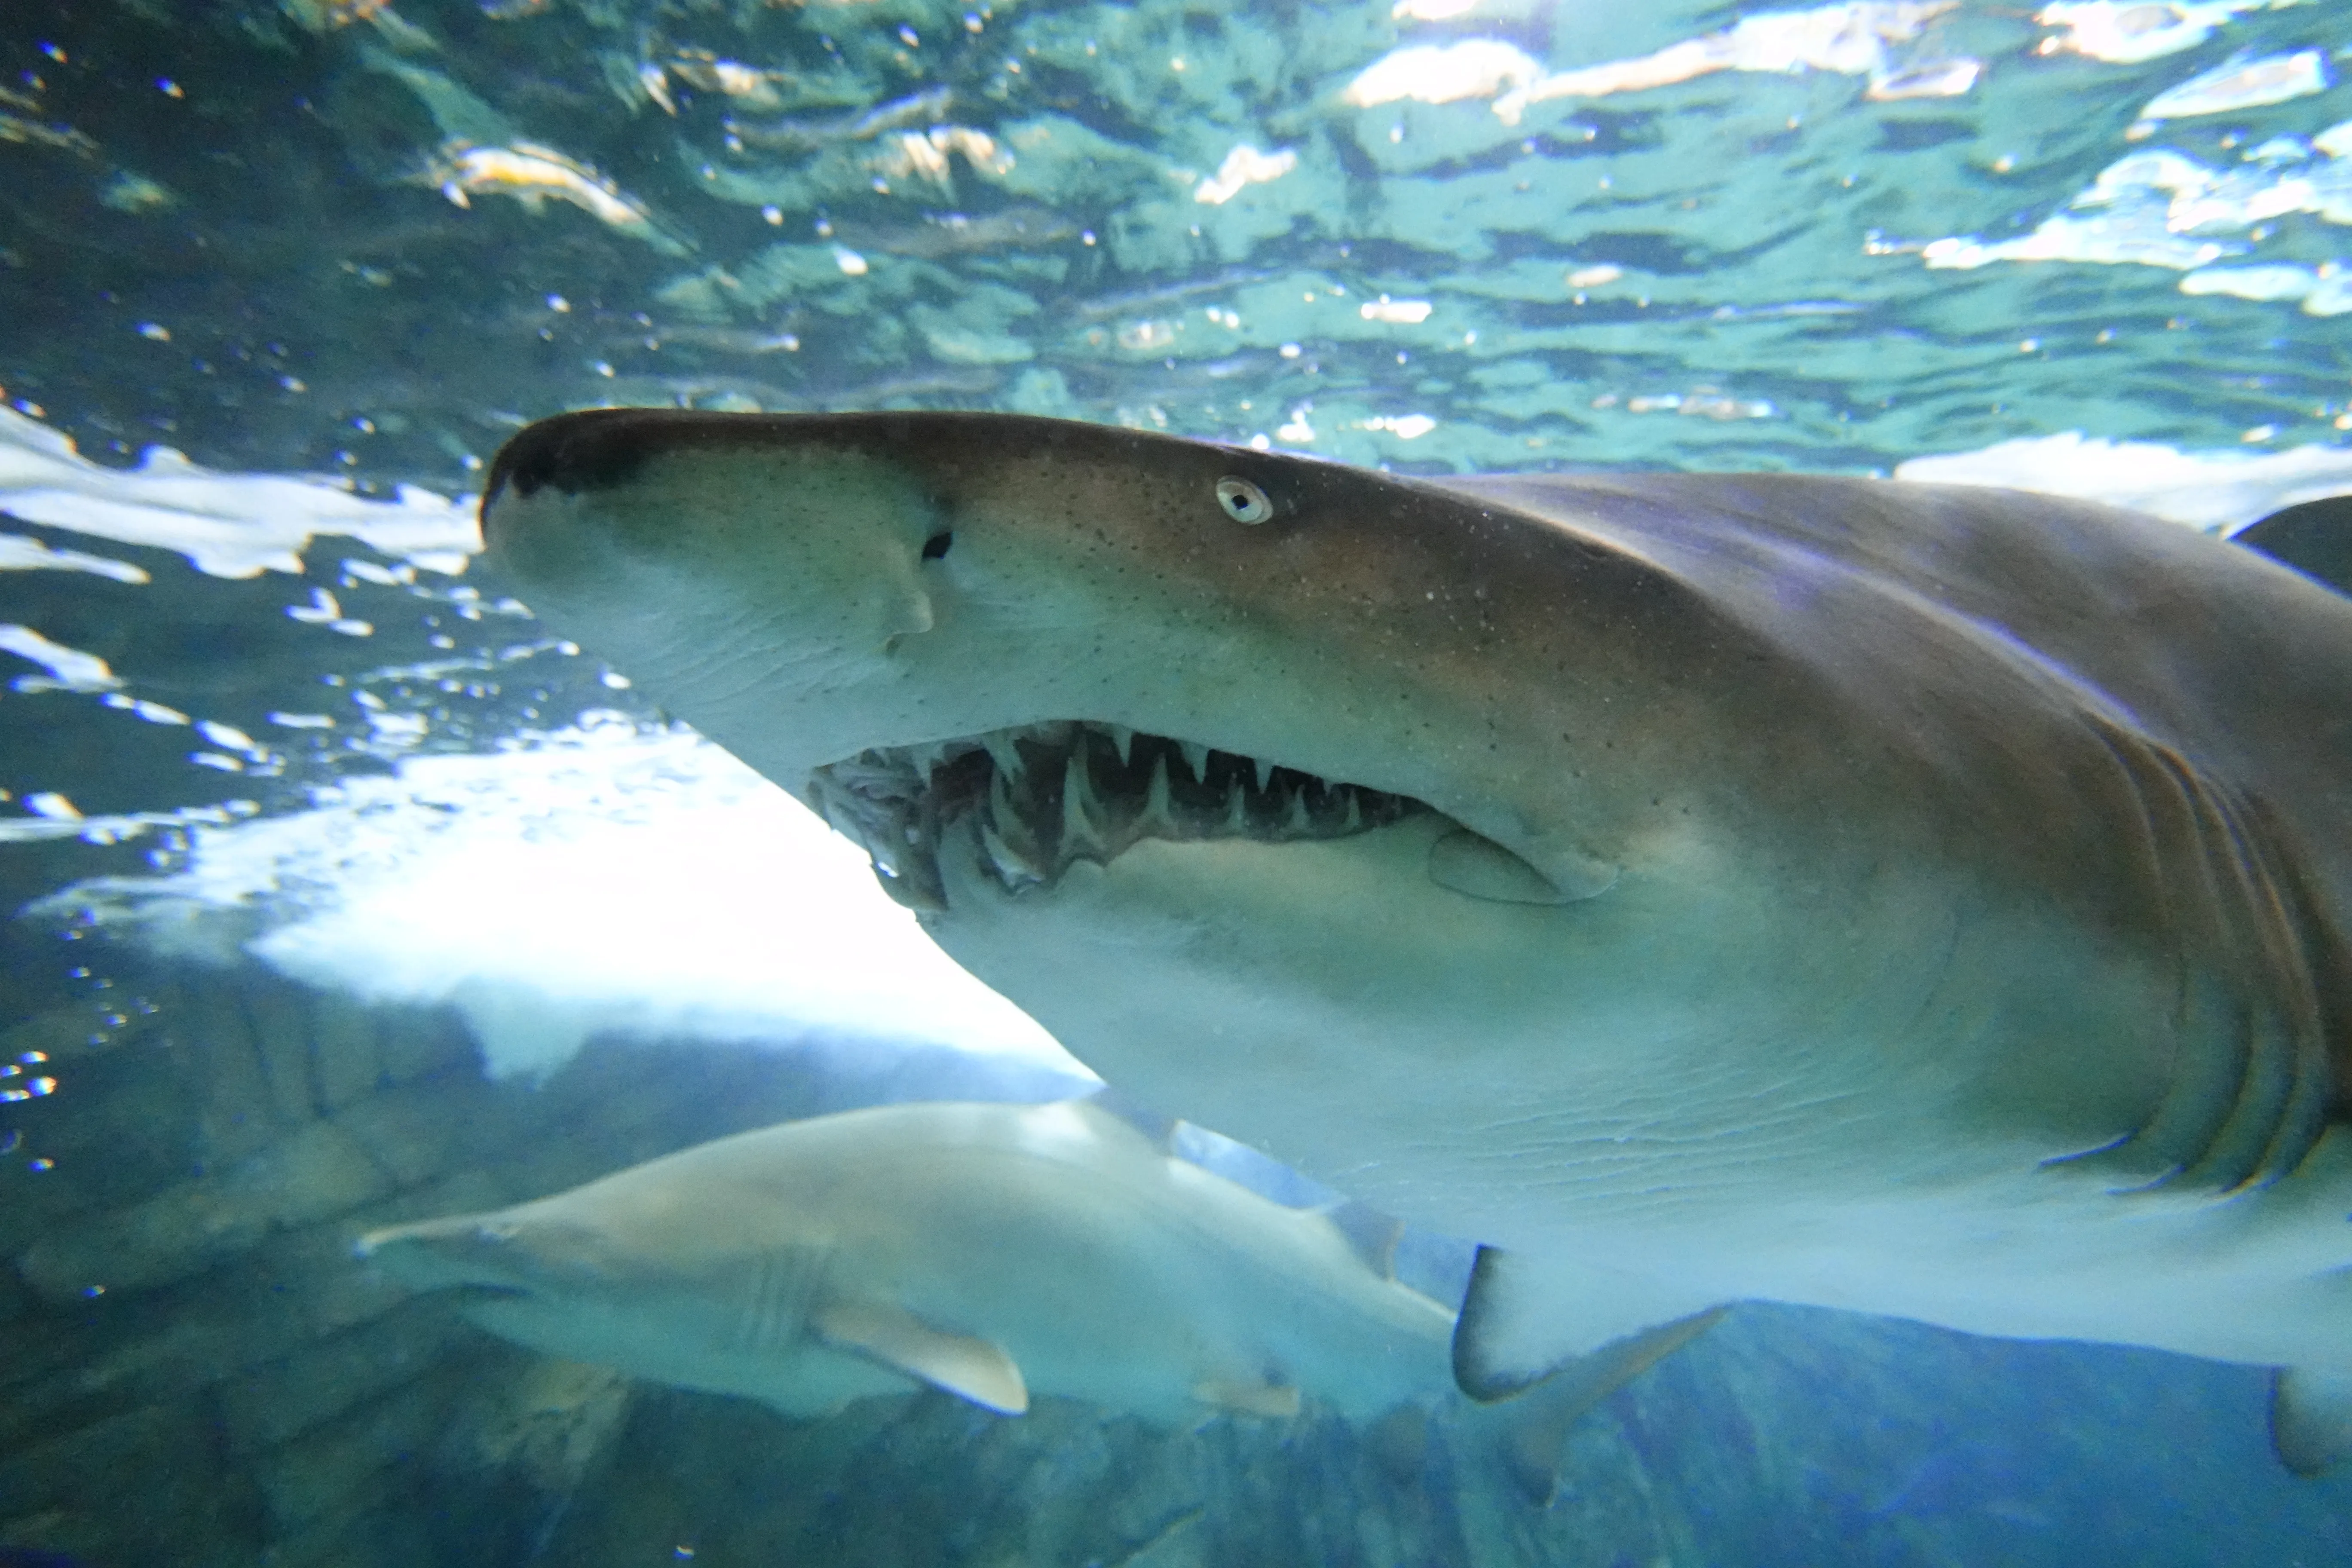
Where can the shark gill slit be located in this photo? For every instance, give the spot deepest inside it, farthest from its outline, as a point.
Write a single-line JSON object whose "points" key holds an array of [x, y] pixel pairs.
{"points": [[2253, 1086], [781, 1297]]}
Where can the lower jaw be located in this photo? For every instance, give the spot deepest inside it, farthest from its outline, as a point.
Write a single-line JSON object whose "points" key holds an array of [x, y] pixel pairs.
{"points": [[1026, 806], [1269, 991], [1178, 882], [964, 869]]}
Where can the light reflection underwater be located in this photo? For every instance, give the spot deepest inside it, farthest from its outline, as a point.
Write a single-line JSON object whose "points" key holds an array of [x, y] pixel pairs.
{"points": [[358, 899]]}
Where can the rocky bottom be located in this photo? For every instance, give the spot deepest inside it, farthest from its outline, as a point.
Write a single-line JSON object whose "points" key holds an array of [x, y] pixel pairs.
{"points": [[240, 1393]]}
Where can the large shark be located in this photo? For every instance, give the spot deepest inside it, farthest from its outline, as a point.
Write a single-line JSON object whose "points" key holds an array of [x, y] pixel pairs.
{"points": [[1925, 900], [995, 1251]]}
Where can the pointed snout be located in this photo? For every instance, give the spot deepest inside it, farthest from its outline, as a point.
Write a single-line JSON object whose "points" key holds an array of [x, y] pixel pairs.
{"points": [[756, 566], [731, 519], [572, 453]]}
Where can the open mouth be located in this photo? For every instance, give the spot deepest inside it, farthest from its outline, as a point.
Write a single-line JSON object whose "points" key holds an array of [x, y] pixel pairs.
{"points": [[1045, 796]]}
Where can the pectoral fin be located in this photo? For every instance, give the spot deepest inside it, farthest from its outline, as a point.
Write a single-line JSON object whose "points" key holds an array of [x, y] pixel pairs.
{"points": [[973, 1368], [2311, 1418], [1524, 1318]]}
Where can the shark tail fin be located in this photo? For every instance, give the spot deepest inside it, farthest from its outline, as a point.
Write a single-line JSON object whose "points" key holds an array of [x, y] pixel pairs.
{"points": [[2311, 1418], [1528, 1318], [975, 1369], [1536, 1424], [2315, 538]]}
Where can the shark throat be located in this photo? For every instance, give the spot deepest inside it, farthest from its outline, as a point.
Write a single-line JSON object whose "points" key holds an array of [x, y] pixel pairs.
{"points": [[1034, 800]]}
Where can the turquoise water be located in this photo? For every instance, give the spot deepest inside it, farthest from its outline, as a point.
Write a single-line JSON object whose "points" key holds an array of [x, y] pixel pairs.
{"points": [[351, 897], [898, 204]]}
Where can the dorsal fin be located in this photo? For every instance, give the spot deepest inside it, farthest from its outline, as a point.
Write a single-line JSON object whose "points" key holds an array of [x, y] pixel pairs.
{"points": [[2315, 538], [1372, 1234], [1161, 1129]]}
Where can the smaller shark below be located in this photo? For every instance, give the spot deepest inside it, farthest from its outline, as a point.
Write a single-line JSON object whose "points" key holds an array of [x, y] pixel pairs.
{"points": [[995, 1251]]}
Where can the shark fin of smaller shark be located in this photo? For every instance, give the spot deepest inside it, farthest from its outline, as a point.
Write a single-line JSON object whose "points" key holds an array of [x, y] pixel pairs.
{"points": [[1536, 1424], [974, 1369], [1373, 1235], [1527, 1319], [2315, 538], [1158, 1129], [1249, 1397], [2311, 1418]]}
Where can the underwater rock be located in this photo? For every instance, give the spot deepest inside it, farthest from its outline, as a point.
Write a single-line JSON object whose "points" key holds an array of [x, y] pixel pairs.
{"points": [[314, 1174], [269, 1405]]}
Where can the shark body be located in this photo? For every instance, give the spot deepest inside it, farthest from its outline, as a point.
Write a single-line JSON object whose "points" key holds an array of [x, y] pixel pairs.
{"points": [[1923, 900], [993, 1250]]}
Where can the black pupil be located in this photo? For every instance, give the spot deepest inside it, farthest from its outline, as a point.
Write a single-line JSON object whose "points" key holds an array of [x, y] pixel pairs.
{"points": [[937, 545]]}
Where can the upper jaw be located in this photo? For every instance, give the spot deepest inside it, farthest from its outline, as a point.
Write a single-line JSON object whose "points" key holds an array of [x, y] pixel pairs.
{"points": [[1035, 799]]}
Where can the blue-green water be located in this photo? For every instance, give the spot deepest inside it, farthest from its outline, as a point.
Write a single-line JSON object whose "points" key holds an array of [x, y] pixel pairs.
{"points": [[351, 897], [895, 203]]}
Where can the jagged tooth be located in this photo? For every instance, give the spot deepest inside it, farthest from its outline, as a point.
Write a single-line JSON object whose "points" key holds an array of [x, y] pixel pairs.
{"points": [[1294, 814], [1000, 797], [842, 818], [1003, 752], [1196, 758], [1159, 810], [1236, 808], [1010, 863], [1124, 738], [1004, 817], [1264, 773], [1078, 830], [1355, 822]]}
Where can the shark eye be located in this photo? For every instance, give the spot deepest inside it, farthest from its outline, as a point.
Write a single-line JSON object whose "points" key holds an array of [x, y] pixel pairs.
{"points": [[1243, 501]]}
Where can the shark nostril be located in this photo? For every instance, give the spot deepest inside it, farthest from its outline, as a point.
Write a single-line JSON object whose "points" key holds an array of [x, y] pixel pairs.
{"points": [[936, 547]]}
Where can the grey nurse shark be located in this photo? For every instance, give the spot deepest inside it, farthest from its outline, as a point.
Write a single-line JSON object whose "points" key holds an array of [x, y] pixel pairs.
{"points": [[1930, 901], [991, 1250]]}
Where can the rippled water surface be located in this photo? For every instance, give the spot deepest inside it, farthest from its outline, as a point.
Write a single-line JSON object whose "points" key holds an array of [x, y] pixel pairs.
{"points": [[347, 237], [350, 896]]}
